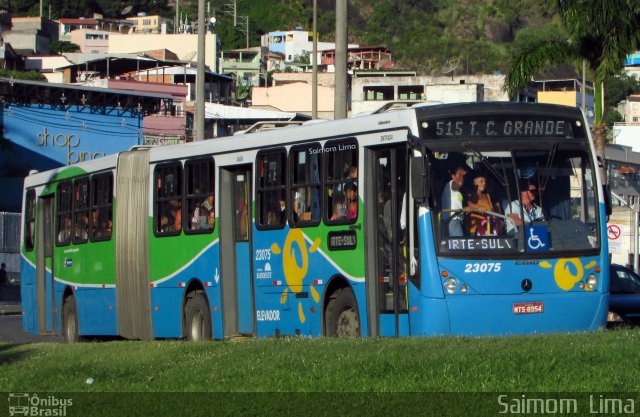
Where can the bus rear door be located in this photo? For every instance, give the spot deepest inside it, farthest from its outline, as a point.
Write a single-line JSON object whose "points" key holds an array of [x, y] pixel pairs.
{"points": [[45, 291]]}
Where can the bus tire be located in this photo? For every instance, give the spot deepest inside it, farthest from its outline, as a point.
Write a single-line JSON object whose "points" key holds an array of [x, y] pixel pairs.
{"points": [[197, 319], [70, 328], [342, 318]]}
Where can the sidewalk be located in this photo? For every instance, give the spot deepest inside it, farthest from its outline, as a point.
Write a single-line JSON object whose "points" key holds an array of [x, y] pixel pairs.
{"points": [[10, 304]]}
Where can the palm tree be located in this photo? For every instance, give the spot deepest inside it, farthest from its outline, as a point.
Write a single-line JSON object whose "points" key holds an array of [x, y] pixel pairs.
{"points": [[600, 32]]}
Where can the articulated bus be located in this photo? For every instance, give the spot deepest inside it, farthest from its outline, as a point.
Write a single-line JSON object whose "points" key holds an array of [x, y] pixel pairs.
{"points": [[341, 228]]}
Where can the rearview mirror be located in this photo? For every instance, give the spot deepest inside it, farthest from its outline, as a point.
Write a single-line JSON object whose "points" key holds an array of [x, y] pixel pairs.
{"points": [[419, 179]]}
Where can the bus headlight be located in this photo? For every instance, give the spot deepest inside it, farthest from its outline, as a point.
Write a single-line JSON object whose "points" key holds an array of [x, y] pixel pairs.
{"points": [[450, 285], [592, 281]]}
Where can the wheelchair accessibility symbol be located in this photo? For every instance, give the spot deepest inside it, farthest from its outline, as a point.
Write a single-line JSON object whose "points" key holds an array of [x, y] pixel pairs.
{"points": [[537, 238]]}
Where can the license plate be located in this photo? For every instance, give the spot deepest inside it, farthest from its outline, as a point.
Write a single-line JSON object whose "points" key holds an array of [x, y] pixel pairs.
{"points": [[528, 308]]}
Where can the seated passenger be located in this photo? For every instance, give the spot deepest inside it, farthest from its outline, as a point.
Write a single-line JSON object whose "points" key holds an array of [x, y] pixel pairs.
{"points": [[478, 200]]}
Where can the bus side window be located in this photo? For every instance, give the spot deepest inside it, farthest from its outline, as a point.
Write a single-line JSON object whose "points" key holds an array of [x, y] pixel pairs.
{"points": [[30, 220], [341, 182], [304, 198], [80, 211], [271, 189], [101, 207], [199, 196], [64, 211], [168, 199]]}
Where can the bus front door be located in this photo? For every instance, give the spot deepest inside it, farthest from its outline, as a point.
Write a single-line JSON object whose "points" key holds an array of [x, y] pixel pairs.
{"points": [[391, 267], [235, 235], [45, 290]]}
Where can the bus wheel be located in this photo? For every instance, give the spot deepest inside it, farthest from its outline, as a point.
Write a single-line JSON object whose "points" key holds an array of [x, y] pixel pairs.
{"points": [[198, 319], [70, 329], [342, 314]]}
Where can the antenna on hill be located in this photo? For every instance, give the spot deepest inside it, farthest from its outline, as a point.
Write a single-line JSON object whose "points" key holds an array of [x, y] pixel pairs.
{"points": [[126, 10]]}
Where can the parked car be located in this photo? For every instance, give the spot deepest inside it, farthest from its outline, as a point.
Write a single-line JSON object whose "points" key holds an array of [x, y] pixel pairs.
{"points": [[624, 301]]}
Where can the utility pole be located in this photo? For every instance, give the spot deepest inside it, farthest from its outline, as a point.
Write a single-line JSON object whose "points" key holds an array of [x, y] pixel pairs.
{"points": [[176, 29], [232, 8], [200, 73], [314, 76], [244, 28], [340, 94]]}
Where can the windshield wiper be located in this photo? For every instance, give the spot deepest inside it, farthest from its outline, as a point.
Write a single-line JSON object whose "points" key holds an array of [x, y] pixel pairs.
{"points": [[503, 181]]}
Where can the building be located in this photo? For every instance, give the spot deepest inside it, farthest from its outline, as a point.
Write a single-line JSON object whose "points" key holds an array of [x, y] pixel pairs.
{"points": [[51, 125], [371, 90], [91, 41], [150, 24], [184, 45], [293, 44], [31, 35], [66, 26], [246, 64], [291, 92], [632, 65], [567, 92], [363, 58]]}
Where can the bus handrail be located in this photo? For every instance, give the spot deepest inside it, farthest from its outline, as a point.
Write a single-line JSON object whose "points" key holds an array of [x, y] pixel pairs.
{"points": [[488, 212]]}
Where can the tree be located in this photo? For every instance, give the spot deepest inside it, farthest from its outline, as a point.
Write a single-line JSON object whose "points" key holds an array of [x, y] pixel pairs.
{"points": [[58, 47], [600, 32]]}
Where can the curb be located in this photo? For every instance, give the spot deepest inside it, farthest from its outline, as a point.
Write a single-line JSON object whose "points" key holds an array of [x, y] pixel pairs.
{"points": [[11, 310]]}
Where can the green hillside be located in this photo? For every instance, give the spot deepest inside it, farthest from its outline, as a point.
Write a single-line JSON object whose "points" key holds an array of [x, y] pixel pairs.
{"points": [[429, 36]]}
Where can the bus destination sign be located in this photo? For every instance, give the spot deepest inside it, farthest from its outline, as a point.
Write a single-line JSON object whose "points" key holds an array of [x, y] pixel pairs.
{"points": [[498, 127], [342, 240], [476, 244]]}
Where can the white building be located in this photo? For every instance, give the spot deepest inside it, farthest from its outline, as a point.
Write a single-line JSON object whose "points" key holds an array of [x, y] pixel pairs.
{"points": [[294, 43]]}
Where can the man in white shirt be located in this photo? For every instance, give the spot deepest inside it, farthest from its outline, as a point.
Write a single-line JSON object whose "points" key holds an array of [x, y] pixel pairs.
{"points": [[452, 199], [530, 210]]}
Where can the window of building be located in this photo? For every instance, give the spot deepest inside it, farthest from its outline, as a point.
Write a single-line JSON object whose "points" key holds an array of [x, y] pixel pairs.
{"points": [[80, 211], [410, 92], [29, 219], [199, 196], [304, 198], [101, 207], [341, 181], [378, 93], [64, 197], [168, 199], [271, 189]]}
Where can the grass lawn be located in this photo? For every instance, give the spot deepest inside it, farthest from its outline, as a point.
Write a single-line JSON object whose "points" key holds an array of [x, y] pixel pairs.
{"points": [[334, 371]]}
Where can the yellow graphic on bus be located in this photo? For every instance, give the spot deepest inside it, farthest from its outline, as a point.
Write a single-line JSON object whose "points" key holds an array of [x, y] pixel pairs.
{"points": [[568, 271], [295, 270]]}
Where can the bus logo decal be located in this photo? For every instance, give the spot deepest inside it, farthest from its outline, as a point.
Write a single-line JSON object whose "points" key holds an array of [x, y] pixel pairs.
{"points": [[295, 263], [568, 271]]}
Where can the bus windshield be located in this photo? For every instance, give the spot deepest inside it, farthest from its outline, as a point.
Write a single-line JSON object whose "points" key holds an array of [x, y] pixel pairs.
{"points": [[495, 197]]}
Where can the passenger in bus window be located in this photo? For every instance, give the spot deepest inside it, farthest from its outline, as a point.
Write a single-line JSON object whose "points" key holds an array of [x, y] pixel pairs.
{"points": [[353, 173], [478, 201], [200, 219], [283, 210], [530, 209], [172, 220], [273, 218], [351, 200], [65, 231], [211, 219], [82, 228], [452, 201], [107, 228]]}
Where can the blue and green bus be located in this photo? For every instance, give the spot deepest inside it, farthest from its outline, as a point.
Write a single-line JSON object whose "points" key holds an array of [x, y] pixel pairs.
{"points": [[341, 228]]}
